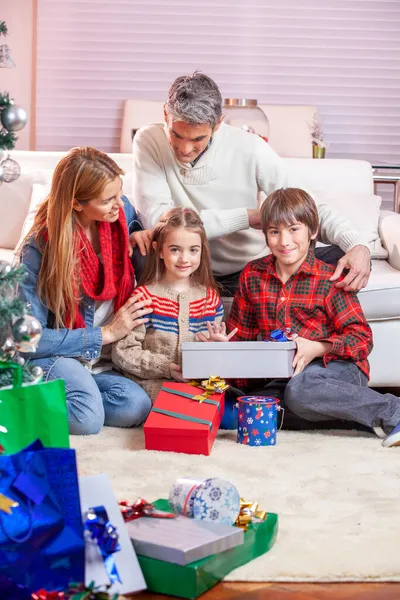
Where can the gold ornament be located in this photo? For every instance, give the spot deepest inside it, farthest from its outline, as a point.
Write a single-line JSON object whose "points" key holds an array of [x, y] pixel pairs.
{"points": [[6, 504]]}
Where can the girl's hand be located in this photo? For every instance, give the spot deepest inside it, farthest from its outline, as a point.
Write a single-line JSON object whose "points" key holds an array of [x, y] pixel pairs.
{"points": [[142, 239], [307, 350], [216, 333], [175, 372], [129, 316]]}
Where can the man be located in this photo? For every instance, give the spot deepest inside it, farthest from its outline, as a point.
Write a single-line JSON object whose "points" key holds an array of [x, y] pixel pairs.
{"points": [[196, 160]]}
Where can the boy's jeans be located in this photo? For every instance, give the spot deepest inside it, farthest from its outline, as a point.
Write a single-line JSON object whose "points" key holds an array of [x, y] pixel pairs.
{"points": [[95, 400], [339, 391]]}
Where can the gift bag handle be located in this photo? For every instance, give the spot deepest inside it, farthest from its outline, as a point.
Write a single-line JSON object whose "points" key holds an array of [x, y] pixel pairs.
{"points": [[17, 372]]}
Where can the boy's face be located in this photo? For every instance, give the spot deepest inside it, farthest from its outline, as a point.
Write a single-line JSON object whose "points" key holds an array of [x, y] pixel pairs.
{"points": [[289, 244]]}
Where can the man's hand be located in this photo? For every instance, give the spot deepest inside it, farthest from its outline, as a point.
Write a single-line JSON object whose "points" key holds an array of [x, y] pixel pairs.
{"points": [[175, 372], [358, 261], [254, 218], [307, 350], [142, 239], [216, 333]]}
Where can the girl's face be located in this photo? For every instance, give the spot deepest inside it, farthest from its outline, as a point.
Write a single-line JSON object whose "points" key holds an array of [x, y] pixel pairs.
{"points": [[181, 253], [105, 208]]}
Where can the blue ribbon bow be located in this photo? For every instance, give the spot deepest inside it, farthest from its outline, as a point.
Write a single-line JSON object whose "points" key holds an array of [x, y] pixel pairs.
{"points": [[106, 536], [278, 335]]}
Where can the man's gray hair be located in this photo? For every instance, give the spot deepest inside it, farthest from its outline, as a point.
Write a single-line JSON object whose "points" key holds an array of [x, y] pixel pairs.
{"points": [[195, 99]]}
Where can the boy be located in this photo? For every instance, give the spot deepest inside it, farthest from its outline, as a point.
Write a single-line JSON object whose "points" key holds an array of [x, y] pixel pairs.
{"points": [[291, 288]]}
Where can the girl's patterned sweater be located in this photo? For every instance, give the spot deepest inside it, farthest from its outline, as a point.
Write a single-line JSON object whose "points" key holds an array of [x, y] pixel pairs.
{"points": [[146, 353]]}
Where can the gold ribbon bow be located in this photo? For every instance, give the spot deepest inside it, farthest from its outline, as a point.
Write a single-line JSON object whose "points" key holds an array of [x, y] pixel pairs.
{"points": [[7, 504], [212, 385], [249, 513]]}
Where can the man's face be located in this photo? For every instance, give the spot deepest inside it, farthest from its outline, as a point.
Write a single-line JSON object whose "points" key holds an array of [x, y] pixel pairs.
{"points": [[186, 140]]}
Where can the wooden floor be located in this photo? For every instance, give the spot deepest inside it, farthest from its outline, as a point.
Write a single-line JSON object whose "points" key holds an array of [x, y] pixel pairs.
{"points": [[293, 591]]}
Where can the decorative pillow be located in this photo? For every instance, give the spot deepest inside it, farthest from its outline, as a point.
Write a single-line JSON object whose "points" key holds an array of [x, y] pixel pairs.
{"points": [[39, 193], [363, 212]]}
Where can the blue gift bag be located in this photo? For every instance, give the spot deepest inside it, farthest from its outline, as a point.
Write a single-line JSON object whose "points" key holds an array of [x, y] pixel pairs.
{"points": [[41, 530]]}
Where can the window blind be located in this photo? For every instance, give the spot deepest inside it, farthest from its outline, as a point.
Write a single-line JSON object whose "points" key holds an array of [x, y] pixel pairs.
{"points": [[341, 55]]}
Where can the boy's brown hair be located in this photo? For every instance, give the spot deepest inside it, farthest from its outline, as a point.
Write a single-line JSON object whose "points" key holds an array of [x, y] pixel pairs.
{"points": [[288, 206]]}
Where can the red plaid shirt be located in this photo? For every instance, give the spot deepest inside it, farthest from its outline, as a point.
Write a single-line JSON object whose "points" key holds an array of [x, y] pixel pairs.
{"points": [[308, 303]]}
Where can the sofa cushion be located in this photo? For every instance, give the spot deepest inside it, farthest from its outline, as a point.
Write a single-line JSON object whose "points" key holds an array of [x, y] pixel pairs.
{"points": [[363, 212], [39, 193], [380, 300]]}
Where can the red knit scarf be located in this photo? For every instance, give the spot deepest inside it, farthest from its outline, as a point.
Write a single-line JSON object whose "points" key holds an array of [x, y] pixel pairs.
{"points": [[106, 279]]}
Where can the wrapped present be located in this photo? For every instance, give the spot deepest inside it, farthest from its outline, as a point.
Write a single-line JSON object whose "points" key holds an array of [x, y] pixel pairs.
{"points": [[192, 580], [238, 360], [258, 420], [185, 418], [181, 540], [110, 557], [42, 409], [41, 532]]}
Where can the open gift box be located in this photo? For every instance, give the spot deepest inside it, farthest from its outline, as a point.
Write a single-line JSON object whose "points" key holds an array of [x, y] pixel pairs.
{"points": [[181, 422]]}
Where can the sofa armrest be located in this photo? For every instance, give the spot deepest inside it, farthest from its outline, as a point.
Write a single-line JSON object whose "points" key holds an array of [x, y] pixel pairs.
{"points": [[389, 232]]}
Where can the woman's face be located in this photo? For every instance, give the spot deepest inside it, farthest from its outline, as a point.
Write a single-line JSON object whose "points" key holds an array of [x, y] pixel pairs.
{"points": [[105, 208]]}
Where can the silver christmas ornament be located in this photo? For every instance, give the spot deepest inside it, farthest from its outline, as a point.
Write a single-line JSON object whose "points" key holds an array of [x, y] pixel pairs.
{"points": [[6, 62], [11, 170], [8, 347], [19, 360], [26, 332], [36, 374], [13, 118], [5, 268]]}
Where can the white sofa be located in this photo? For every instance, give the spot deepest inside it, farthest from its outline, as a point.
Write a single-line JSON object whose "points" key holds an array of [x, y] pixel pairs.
{"points": [[348, 182]]}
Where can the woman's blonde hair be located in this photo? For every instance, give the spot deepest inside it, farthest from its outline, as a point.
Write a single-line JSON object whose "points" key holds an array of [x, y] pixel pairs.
{"points": [[174, 219], [82, 176]]}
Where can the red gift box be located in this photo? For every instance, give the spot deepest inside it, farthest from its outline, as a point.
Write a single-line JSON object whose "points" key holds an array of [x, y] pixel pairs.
{"points": [[178, 423]]}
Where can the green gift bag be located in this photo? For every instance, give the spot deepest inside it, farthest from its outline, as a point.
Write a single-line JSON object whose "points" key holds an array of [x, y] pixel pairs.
{"points": [[31, 412]]}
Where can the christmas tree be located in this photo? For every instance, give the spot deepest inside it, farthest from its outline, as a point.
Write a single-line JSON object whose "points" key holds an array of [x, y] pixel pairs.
{"points": [[19, 331], [12, 118]]}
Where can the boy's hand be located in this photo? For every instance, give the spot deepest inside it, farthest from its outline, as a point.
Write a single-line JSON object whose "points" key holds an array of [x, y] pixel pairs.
{"points": [[307, 350], [175, 372], [216, 333]]}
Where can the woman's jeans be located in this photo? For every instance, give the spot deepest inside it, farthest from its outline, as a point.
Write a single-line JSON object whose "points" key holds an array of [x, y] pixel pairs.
{"points": [[107, 398]]}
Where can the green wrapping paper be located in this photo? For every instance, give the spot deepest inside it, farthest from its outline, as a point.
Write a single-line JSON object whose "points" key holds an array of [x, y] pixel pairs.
{"points": [[192, 580], [31, 412]]}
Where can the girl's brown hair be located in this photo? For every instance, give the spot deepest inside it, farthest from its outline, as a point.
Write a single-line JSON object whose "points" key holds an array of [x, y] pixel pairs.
{"points": [[81, 175], [174, 219], [288, 206]]}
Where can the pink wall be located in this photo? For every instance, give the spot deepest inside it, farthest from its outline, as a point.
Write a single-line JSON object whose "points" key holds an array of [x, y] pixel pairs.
{"points": [[19, 82]]}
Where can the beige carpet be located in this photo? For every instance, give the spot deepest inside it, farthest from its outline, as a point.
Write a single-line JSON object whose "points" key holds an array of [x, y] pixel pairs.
{"points": [[337, 495]]}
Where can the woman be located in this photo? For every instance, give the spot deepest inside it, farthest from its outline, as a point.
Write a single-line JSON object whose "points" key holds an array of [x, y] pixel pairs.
{"points": [[79, 283]]}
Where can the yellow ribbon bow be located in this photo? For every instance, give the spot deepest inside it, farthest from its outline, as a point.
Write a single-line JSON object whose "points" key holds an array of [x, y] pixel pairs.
{"points": [[249, 513], [212, 385], [6, 504]]}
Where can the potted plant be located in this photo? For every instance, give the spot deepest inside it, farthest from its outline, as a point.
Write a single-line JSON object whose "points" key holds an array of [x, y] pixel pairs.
{"points": [[317, 137]]}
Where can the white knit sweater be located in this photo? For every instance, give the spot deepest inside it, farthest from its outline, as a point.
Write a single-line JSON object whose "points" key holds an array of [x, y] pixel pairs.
{"points": [[223, 184]]}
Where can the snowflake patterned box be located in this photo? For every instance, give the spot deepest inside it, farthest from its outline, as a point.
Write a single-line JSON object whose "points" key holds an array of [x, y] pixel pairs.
{"points": [[192, 580], [236, 360], [258, 420], [179, 422]]}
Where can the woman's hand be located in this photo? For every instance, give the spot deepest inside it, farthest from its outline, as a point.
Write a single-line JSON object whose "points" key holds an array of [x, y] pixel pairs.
{"points": [[141, 239], [175, 372], [129, 316], [216, 333], [307, 350]]}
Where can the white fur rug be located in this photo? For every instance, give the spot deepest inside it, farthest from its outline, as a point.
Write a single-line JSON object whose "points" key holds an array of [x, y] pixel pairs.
{"points": [[337, 495]]}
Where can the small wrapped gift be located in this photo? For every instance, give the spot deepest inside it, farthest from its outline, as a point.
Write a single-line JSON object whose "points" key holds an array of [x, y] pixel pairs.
{"points": [[192, 580], [185, 418], [110, 558], [181, 540]]}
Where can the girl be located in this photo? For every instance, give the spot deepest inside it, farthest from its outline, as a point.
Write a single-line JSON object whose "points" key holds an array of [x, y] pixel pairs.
{"points": [[79, 281], [179, 282]]}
